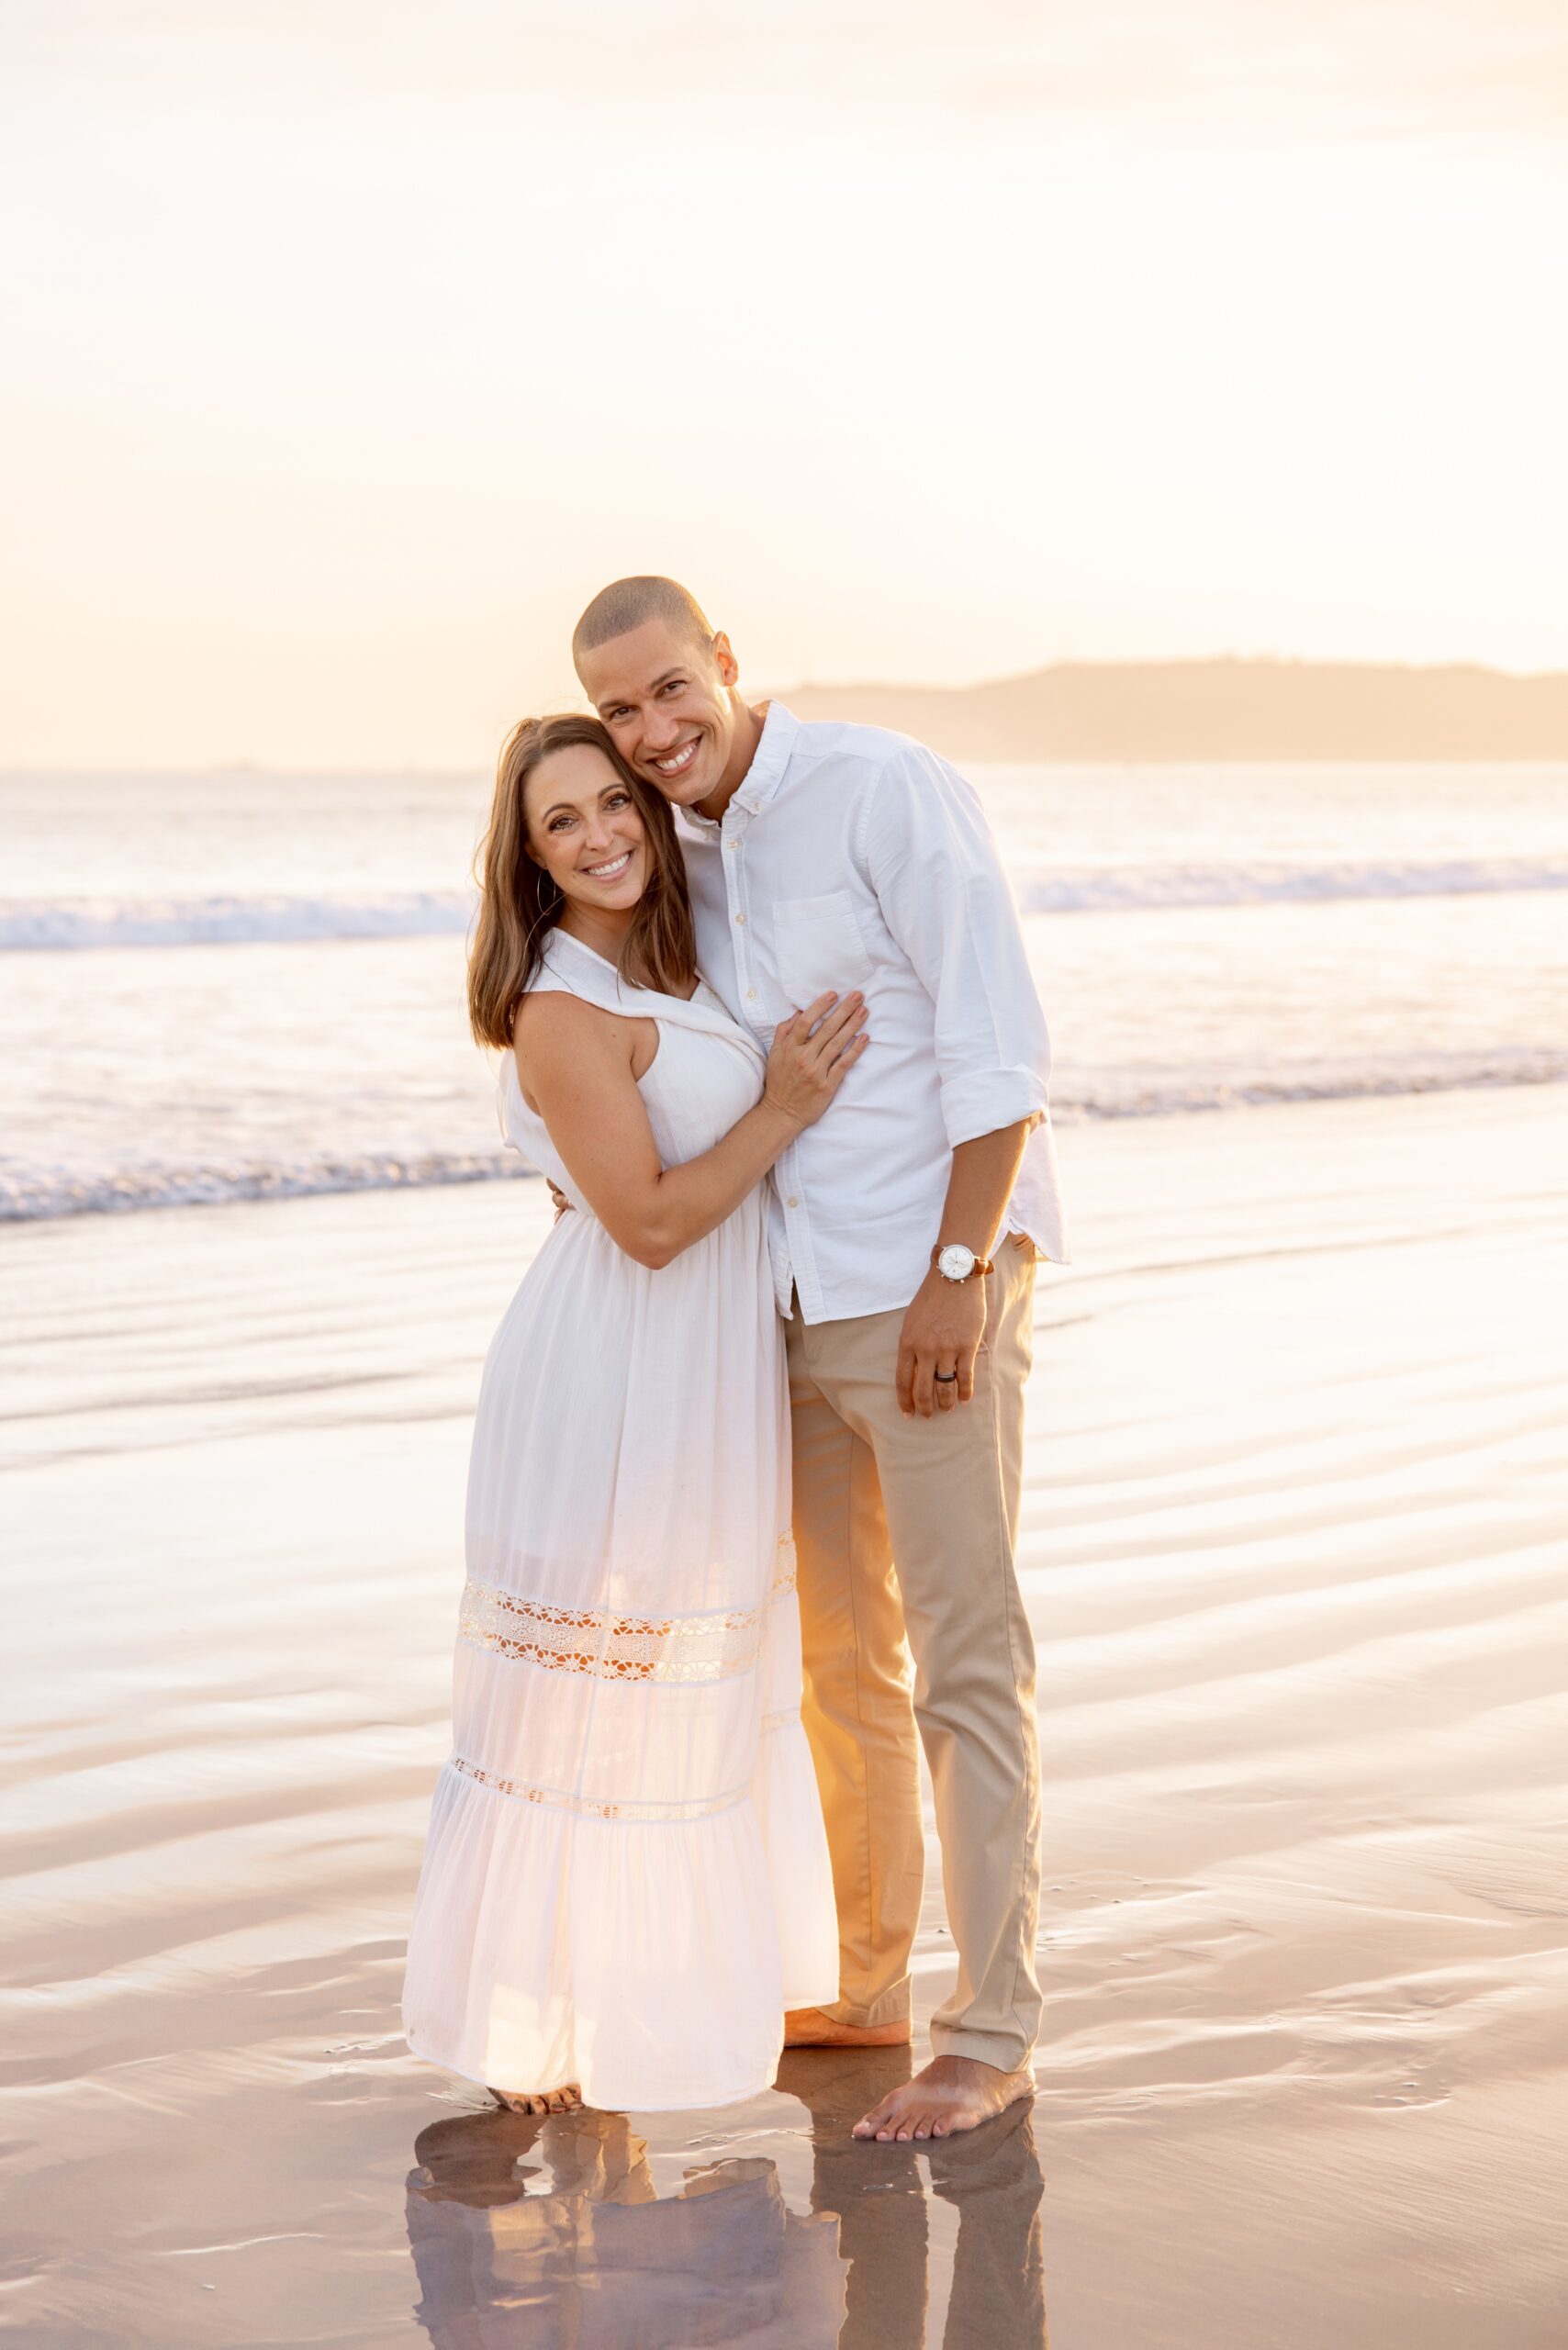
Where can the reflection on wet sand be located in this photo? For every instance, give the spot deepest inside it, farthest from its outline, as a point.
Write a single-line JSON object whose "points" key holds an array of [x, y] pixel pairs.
{"points": [[1292, 1547], [993, 2178], [548, 2235], [533, 2233]]}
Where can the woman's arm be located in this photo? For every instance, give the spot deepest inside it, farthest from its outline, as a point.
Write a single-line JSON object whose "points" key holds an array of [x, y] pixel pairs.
{"points": [[576, 1064]]}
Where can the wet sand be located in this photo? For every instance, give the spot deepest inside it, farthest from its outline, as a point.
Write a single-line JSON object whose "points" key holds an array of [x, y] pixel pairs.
{"points": [[1294, 1549]]}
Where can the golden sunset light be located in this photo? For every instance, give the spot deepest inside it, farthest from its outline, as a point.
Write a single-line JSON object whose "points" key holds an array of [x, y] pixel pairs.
{"points": [[351, 346], [783, 1252]]}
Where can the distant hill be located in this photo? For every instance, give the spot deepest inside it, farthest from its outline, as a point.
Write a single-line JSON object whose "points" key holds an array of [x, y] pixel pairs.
{"points": [[1219, 709]]}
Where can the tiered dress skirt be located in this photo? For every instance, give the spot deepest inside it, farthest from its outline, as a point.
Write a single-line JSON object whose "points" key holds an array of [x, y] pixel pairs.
{"points": [[626, 1879]]}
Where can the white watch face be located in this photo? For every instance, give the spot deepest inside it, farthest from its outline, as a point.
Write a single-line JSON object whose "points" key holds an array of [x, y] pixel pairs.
{"points": [[955, 1261]]}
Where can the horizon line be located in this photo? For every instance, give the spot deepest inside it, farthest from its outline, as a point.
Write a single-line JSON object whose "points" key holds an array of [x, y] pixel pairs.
{"points": [[244, 762], [1467, 662]]}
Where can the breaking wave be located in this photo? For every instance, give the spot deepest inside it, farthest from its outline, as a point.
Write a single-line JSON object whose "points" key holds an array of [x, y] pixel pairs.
{"points": [[72, 923], [67, 924], [1144, 886], [29, 1195]]}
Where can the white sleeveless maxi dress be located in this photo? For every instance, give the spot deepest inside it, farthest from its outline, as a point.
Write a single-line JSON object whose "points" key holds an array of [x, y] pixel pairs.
{"points": [[626, 1879]]}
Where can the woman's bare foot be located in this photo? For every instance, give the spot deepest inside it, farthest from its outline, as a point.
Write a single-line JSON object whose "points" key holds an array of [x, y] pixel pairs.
{"points": [[808, 2028], [564, 2100], [951, 2093]]}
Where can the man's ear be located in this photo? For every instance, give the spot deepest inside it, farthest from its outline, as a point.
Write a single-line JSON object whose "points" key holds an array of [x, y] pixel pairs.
{"points": [[724, 661]]}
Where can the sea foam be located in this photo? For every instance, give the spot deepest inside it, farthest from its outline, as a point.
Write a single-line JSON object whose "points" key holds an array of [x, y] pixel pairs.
{"points": [[76, 923], [37, 1194]]}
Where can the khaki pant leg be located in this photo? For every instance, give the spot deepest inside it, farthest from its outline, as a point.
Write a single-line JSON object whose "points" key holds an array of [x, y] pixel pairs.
{"points": [[950, 1489], [856, 1702]]}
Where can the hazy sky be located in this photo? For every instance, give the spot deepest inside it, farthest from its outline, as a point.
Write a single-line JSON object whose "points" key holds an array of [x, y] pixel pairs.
{"points": [[351, 344]]}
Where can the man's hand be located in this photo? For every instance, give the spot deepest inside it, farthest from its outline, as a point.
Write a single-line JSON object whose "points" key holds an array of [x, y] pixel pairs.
{"points": [[941, 1333], [563, 1204]]}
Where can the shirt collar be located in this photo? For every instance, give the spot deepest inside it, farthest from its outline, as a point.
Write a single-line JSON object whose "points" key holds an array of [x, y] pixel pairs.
{"points": [[766, 773]]}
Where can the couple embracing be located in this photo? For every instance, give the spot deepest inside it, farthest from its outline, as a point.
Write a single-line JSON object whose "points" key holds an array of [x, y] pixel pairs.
{"points": [[744, 1484]]}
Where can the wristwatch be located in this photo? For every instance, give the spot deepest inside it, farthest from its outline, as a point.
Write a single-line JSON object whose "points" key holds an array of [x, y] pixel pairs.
{"points": [[957, 1263]]}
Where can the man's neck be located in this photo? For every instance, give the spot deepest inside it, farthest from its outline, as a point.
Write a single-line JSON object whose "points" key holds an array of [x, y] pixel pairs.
{"points": [[748, 734]]}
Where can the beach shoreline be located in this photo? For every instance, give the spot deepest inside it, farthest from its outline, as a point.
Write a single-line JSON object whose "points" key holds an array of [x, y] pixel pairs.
{"points": [[1292, 1547]]}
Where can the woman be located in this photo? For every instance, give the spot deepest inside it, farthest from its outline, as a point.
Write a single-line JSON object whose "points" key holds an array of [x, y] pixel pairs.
{"points": [[626, 1880]]}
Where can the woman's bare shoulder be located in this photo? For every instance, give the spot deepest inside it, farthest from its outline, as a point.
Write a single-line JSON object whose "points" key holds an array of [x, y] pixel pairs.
{"points": [[546, 1012], [553, 1026]]}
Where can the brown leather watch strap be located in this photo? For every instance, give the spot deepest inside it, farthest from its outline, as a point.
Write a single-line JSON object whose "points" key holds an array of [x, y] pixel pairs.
{"points": [[981, 1265]]}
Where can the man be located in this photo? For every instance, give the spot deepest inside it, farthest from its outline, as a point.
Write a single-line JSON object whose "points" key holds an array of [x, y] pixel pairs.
{"points": [[904, 1235]]}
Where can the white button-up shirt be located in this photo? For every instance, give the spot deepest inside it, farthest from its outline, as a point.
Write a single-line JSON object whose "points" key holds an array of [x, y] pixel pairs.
{"points": [[850, 857]]}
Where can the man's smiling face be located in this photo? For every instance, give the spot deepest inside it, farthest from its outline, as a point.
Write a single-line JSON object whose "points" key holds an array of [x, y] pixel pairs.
{"points": [[665, 697]]}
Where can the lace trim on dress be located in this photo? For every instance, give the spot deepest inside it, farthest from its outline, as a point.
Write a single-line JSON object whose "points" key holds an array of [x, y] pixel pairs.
{"points": [[698, 1807], [620, 1648]]}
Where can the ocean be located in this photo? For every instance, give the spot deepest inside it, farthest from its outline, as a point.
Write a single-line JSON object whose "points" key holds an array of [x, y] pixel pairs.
{"points": [[241, 985]]}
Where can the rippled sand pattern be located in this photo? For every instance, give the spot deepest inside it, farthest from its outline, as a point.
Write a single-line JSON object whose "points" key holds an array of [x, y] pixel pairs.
{"points": [[1295, 1552]]}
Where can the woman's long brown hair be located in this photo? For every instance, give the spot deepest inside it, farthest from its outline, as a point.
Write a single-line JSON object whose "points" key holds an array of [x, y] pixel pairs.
{"points": [[519, 904]]}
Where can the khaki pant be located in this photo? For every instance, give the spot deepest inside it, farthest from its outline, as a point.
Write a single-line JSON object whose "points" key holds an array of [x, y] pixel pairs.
{"points": [[905, 1531]]}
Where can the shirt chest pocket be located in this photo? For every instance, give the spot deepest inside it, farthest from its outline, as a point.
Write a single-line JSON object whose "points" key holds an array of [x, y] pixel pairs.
{"points": [[819, 946]]}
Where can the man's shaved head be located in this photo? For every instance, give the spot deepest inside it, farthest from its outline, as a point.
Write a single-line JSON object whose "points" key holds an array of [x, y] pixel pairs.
{"points": [[627, 604]]}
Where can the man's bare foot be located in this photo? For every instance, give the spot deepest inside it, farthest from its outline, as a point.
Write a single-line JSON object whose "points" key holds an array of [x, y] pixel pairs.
{"points": [[951, 2093], [564, 2100], [810, 2028]]}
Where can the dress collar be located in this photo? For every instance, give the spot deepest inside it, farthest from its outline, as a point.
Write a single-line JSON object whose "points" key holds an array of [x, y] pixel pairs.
{"points": [[582, 971]]}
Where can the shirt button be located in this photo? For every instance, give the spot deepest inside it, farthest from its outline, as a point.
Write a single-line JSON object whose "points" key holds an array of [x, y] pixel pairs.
{"points": [[732, 843], [792, 1201], [740, 918], [750, 993]]}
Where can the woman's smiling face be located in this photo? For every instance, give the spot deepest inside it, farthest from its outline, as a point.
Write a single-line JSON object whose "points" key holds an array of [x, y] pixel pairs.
{"points": [[584, 828]]}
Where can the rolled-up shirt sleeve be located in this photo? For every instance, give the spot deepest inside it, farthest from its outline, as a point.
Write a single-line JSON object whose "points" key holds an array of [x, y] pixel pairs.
{"points": [[924, 848]]}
